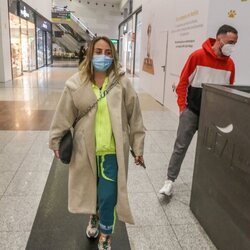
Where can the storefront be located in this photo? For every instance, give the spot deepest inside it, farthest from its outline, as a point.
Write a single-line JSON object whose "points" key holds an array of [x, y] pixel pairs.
{"points": [[15, 40], [30, 38], [44, 41], [129, 43]]}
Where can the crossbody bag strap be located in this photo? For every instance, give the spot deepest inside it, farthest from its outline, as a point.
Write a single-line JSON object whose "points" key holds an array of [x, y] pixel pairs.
{"points": [[105, 92]]}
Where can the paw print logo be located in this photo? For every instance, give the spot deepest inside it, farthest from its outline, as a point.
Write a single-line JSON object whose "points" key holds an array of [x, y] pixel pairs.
{"points": [[231, 13]]}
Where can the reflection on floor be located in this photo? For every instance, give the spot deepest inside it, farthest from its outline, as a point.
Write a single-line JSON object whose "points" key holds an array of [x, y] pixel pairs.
{"points": [[26, 108]]}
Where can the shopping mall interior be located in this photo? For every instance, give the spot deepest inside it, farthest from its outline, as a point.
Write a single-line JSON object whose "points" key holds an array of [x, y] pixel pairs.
{"points": [[41, 45]]}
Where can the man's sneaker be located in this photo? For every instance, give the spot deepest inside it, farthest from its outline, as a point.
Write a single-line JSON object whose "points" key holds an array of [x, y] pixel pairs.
{"points": [[92, 230], [167, 189], [104, 242]]}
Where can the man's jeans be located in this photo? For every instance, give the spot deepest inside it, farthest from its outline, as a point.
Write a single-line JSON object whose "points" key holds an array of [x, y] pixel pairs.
{"points": [[188, 124]]}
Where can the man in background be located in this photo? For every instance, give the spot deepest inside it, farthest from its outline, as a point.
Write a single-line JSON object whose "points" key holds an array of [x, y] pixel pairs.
{"points": [[210, 64]]}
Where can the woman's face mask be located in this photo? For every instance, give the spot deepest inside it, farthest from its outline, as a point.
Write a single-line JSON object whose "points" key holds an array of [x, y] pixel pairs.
{"points": [[227, 49], [101, 62]]}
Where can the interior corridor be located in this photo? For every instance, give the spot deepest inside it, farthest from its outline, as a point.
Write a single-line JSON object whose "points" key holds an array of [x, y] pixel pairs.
{"points": [[26, 108]]}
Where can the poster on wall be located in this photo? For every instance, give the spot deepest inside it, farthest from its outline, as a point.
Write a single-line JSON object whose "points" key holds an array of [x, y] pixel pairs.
{"points": [[187, 34], [148, 65]]}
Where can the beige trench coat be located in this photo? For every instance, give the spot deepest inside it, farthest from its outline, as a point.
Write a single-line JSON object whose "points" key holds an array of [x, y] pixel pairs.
{"points": [[128, 130]]}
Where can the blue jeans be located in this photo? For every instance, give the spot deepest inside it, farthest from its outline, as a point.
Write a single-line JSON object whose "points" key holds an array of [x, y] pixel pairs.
{"points": [[107, 191]]}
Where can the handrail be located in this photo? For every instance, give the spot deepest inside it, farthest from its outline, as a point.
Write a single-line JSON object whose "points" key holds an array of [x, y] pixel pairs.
{"points": [[62, 28], [75, 19]]}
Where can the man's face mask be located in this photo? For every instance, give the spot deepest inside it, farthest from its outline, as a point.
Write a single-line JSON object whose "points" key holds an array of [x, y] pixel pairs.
{"points": [[101, 62], [227, 49]]}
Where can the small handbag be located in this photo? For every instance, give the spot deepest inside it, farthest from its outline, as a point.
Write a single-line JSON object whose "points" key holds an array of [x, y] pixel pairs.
{"points": [[66, 147], [66, 143]]}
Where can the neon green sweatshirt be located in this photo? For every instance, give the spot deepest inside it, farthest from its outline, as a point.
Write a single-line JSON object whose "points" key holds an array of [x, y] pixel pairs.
{"points": [[105, 142]]}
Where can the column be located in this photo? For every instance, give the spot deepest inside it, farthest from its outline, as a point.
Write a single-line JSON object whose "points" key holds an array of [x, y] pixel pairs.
{"points": [[5, 59]]}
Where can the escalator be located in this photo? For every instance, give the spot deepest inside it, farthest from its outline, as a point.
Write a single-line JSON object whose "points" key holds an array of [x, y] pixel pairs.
{"points": [[73, 32], [65, 38]]}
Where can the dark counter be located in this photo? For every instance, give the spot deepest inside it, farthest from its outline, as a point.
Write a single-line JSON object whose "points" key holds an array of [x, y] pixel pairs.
{"points": [[220, 196]]}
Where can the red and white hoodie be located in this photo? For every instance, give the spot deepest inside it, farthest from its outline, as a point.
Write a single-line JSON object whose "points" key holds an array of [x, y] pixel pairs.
{"points": [[202, 66]]}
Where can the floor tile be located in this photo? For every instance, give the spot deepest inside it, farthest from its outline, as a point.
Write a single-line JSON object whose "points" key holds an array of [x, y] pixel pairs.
{"points": [[179, 213], [193, 237], [150, 145], [17, 213], [147, 210], [27, 184], [5, 178], [5, 138], [138, 182], [13, 240], [155, 161], [153, 238], [10, 161]]}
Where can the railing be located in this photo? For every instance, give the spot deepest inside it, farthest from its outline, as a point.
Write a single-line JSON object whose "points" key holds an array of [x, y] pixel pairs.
{"points": [[74, 19]]}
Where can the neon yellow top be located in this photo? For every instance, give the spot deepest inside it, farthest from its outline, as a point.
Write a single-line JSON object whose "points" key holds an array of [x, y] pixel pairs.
{"points": [[105, 142]]}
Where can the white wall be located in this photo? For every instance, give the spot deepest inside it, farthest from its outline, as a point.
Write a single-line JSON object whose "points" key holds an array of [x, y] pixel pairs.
{"points": [[99, 19], [156, 14], [5, 61], [188, 32], [241, 56], [43, 7], [123, 3], [188, 23], [136, 4]]}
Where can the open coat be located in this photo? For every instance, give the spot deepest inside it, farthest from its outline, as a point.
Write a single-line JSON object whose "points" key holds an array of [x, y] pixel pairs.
{"points": [[128, 130]]}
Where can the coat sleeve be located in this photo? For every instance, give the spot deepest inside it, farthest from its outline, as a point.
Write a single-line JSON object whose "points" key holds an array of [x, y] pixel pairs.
{"points": [[135, 121], [63, 119]]}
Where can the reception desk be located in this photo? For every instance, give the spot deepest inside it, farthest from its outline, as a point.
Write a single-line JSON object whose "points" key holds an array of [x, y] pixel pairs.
{"points": [[220, 196]]}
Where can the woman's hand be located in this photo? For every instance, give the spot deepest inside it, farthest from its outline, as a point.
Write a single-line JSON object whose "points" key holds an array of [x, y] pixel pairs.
{"points": [[56, 152], [139, 161]]}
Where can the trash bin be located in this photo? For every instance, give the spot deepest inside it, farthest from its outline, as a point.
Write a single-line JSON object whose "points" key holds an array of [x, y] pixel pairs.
{"points": [[220, 196]]}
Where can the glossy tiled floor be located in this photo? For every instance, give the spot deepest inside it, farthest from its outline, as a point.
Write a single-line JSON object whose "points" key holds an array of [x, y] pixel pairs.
{"points": [[26, 108]]}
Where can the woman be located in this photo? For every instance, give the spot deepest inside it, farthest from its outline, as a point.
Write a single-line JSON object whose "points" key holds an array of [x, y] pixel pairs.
{"points": [[99, 163], [82, 54]]}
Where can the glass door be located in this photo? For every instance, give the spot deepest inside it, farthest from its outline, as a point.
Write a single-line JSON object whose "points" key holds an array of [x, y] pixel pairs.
{"points": [[137, 63], [129, 54], [41, 59], [48, 47], [25, 46], [32, 46], [16, 49]]}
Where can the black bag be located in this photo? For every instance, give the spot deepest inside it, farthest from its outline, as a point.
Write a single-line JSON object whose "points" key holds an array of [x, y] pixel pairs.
{"points": [[66, 147], [66, 143]]}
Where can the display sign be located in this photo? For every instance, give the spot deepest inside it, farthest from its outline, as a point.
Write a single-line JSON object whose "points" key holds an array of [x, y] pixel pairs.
{"points": [[43, 24], [24, 11], [60, 15], [114, 41]]}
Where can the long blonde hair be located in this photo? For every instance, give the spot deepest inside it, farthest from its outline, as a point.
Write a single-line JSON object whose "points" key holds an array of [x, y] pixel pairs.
{"points": [[86, 68]]}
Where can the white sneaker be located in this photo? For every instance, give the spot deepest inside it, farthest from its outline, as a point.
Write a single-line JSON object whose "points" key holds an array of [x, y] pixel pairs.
{"points": [[167, 189]]}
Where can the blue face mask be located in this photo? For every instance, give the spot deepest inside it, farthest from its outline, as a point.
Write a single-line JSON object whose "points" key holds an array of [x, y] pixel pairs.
{"points": [[101, 62]]}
